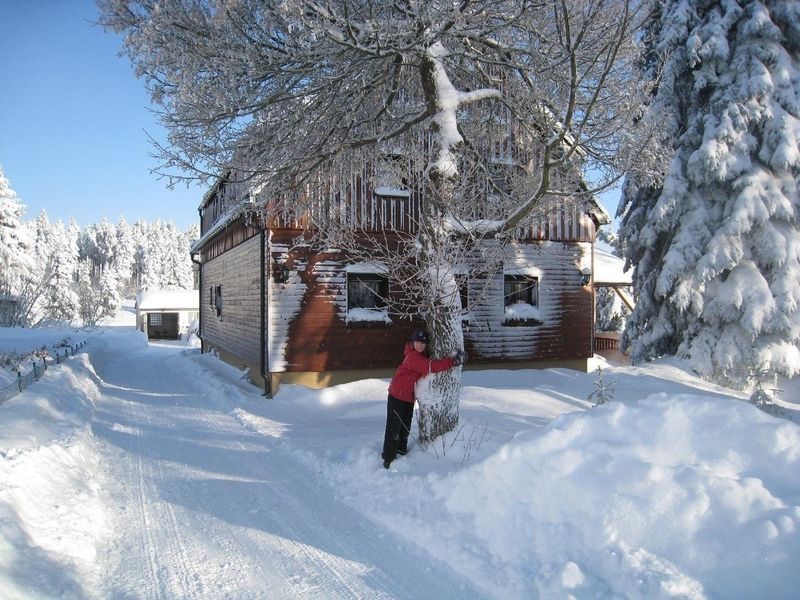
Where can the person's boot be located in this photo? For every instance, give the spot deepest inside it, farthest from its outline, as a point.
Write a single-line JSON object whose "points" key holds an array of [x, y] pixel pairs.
{"points": [[386, 463]]}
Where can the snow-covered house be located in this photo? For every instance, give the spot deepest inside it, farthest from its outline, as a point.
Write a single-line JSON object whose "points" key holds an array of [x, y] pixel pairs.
{"points": [[292, 314], [166, 314]]}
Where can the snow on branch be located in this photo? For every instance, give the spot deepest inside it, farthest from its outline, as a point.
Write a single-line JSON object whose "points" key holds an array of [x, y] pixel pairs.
{"points": [[448, 101]]}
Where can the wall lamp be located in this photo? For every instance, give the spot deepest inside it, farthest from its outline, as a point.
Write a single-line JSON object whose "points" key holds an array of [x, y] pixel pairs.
{"points": [[280, 273], [586, 275]]}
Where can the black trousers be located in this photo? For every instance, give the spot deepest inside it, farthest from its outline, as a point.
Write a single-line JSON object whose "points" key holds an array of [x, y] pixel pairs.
{"points": [[398, 425]]}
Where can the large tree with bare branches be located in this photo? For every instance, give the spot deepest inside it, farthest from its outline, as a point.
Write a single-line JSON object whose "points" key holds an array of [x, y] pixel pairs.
{"points": [[279, 92]]}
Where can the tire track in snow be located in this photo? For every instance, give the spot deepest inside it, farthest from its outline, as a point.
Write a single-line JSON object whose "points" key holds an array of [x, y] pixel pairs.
{"points": [[162, 548], [224, 512], [181, 570]]}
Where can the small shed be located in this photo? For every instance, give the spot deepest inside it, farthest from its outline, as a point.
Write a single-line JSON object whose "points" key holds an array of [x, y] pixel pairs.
{"points": [[166, 314]]}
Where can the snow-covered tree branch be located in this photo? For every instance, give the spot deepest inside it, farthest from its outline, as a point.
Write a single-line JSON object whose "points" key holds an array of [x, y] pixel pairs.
{"points": [[287, 96]]}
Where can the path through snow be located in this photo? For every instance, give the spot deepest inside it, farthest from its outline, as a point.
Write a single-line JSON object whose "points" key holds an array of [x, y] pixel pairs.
{"points": [[199, 506]]}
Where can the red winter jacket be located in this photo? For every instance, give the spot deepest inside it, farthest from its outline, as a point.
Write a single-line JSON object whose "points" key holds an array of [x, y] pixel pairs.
{"points": [[413, 367]]}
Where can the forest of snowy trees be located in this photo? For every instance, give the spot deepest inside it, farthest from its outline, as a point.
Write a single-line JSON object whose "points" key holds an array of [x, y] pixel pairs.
{"points": [[52, 272]]}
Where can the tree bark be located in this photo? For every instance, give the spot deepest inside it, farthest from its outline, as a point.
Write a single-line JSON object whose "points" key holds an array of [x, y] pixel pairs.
{"points": [[438, 393]]}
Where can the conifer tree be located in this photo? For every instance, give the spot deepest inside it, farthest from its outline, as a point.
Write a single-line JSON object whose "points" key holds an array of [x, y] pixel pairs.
{"points": [[61, 300], [715, 240], [17, 282], [124, 260], [176, 270]]}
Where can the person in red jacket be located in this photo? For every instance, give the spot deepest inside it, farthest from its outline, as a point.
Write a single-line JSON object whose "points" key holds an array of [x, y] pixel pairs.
{"points": [[400, 405]]}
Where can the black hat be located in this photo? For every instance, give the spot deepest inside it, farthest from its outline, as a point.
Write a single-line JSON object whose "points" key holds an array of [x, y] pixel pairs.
{"points": [[419, 336]]}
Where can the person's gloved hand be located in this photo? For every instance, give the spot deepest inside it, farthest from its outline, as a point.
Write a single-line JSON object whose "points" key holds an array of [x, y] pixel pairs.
{"points": [[459, 358]]}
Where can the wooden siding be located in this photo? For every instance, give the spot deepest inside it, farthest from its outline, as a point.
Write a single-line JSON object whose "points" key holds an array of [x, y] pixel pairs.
{"points": [[231, 236], [308, 328], [566, 308], [237, 331], [360, 209]]}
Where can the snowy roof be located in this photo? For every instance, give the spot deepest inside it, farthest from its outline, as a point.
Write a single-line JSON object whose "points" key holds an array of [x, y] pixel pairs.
{"points": [[168, 299], [596, 209], [233, 213], [610, 269]]}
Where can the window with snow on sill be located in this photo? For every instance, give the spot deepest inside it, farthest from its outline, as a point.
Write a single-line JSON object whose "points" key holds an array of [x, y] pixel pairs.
{"points": [[368, 315], [522, 313]]}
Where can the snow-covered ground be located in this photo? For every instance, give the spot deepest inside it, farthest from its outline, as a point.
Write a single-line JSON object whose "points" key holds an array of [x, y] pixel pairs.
{"points": [[139, 470]]}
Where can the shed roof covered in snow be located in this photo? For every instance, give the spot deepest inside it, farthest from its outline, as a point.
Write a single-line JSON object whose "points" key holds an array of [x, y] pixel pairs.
{"points": [[155, 300], [610, 269]]}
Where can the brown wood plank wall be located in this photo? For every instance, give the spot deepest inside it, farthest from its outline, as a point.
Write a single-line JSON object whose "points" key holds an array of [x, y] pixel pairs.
{"points": [[566, 308], [239, 272], [309, 329]]}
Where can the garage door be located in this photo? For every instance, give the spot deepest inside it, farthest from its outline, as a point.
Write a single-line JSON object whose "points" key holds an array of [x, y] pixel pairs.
{"points": [[162, 326]]}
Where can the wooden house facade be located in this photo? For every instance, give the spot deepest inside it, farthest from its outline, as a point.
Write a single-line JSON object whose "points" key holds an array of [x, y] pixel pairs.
{"points": [[291, 314]]}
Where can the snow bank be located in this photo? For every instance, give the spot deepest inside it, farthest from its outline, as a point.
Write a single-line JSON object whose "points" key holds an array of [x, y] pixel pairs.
{"points": [[675, 489], [682, 496], [50, 513], [677, 495], [24, 340]]}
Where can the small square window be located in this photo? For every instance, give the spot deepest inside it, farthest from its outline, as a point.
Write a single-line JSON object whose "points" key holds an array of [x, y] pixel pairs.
{"points": [[521, 298], [366, 290], [155, 319], [521, 289]]}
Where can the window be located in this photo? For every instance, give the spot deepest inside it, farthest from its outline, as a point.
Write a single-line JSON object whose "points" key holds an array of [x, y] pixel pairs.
{"points": [[218, 300], [463, 291], [155, 319], [521, 289], [521, 298], [366, 290], [391, 171]]}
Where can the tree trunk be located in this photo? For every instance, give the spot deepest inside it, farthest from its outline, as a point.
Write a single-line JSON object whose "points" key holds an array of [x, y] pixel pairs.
{"points": [[438, 393]]}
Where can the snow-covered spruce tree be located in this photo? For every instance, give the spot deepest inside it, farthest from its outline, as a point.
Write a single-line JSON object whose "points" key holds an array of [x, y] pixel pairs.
{"points": [[124, 258], [176, 267], [279, 94], [140, 250], [190, 236], [715, 241], [152, 275], [98, 295], [60, 299], [18, 280]]}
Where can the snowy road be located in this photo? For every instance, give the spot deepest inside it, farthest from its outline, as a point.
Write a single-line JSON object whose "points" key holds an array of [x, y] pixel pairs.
{"points": [[200, 506]]}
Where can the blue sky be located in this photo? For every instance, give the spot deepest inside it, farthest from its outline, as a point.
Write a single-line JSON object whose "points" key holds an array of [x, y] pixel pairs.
{"points": [[74, 120]]}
